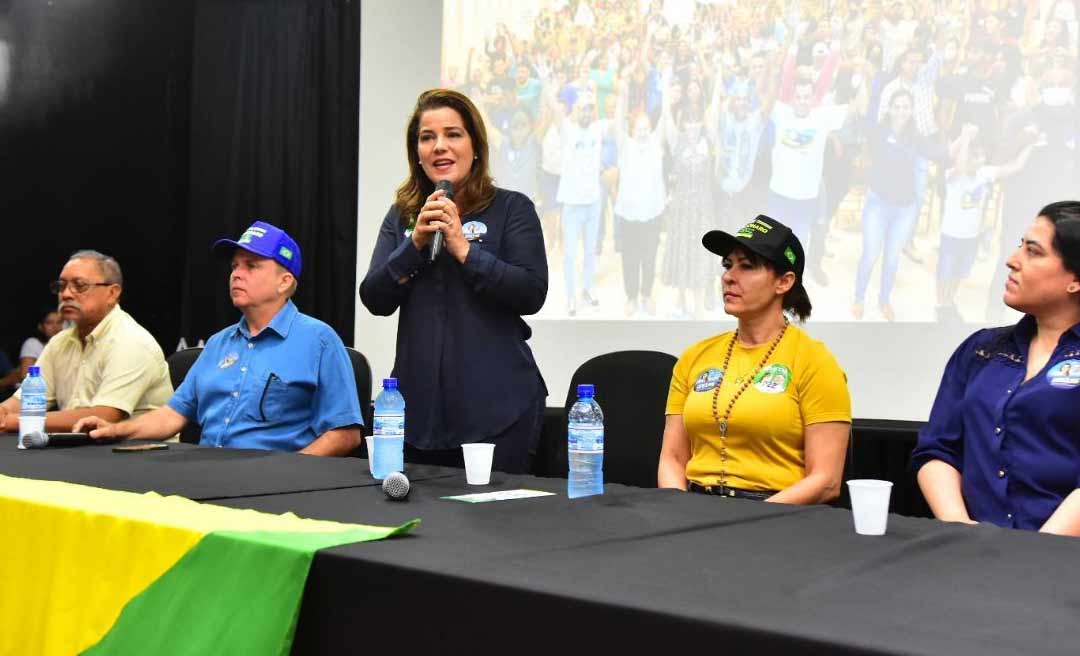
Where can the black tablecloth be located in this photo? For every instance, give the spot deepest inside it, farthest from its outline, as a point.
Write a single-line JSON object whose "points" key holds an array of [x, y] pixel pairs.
{"points": [[639, 569], [194, 472], [631, 571]]}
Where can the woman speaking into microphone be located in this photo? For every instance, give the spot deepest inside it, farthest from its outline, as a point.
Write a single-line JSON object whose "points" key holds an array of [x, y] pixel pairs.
{"points": [[462, 361]]}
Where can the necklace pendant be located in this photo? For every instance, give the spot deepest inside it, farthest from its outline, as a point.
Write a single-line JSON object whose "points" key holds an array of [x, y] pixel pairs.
{"points": [[723, 428]]}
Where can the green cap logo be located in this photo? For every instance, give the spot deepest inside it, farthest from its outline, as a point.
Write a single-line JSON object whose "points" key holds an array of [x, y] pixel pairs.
{"points": [[285, 253], [756, 225], [790, 255]]}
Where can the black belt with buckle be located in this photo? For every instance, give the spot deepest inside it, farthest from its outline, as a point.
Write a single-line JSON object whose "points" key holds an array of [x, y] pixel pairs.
{"points": [[733, 492]]}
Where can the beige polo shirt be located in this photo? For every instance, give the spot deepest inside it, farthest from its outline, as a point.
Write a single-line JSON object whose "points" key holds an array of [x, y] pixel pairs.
{"points": [[120, 367]]}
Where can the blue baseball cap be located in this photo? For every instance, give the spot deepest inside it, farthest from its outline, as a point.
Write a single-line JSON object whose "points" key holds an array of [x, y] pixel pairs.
{"points": [[268, 241]]}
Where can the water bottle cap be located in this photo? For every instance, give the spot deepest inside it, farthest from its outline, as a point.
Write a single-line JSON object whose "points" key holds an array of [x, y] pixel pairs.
{"points": [[389, 383], [34, 371], [585, 391]]}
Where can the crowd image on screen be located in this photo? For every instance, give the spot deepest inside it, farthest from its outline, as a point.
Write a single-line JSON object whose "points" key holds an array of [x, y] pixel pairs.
{"points": [[906, 143]]}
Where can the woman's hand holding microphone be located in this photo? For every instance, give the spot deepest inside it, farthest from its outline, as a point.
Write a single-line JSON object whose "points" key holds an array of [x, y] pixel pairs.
{"points": [[441, 214]]}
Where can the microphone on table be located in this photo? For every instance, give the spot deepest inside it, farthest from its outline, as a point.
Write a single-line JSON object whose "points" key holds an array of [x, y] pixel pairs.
{"points": [[437, 240], [40, 440], [396, 486]]}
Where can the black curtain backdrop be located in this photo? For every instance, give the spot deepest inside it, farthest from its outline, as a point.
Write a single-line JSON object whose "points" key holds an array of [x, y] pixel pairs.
{"points": [[94, 121], [274, 136], [148, 128]]}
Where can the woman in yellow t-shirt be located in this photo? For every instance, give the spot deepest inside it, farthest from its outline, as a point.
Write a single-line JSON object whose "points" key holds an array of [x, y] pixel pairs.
{"points": [[762, 412]]}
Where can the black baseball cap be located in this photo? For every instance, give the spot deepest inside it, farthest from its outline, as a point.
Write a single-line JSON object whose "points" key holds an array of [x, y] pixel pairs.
{"points": [[766, 237]]}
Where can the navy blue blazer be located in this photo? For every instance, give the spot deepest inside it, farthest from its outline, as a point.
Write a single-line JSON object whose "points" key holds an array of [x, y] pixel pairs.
{"points": [[462, 361]]}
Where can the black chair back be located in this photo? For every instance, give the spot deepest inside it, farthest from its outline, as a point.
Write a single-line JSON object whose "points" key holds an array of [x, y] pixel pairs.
{"points": [[179, 364], [362, 373], [631, 388], [881, 448]]}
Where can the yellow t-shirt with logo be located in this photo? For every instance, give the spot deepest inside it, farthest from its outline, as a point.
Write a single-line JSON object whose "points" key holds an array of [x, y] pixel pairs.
{"points": [[801, 384]]}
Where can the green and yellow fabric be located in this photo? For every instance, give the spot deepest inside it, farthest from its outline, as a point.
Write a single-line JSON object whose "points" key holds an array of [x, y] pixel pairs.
{"points": [[85, 570]]}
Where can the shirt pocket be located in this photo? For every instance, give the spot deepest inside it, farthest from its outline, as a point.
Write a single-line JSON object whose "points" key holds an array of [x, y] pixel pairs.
{"points": [[281, 399]]}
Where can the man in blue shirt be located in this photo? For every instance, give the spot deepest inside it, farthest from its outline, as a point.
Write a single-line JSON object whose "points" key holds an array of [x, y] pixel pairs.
{"points": [[277, 379]]}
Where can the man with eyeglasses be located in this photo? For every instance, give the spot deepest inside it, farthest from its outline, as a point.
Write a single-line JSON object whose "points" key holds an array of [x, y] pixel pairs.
{"points": [[277, 379], [105, 364]]}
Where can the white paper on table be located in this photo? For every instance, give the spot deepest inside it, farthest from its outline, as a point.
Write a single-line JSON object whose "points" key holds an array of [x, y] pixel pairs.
{"points": [[502, 495]]}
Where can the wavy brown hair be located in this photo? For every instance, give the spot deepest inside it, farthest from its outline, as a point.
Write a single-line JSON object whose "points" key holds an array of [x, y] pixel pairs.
{"points": [[477, 191]]}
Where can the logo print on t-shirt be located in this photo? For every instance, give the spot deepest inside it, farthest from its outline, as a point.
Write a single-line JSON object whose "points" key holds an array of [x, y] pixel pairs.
{"points": [[799, 139], [1064, 375], [972, 198], [773, 379], [708, 380]]}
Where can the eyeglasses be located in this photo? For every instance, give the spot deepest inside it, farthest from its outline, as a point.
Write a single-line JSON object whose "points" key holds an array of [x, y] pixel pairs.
{"points": [[78, 286]]}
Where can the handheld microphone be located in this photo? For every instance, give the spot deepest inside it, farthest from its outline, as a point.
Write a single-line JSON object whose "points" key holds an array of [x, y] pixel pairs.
{"points": [[40, 440], [437, 240], [396, 486]]}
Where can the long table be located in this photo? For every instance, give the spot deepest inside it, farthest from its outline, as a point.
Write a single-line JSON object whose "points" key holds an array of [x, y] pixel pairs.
{"points": [[639, 569], [202, 474]]}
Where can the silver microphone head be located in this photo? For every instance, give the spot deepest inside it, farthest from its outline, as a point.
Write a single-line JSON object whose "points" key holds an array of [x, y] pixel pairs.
{"points": [[35, 440], [396, 486]]}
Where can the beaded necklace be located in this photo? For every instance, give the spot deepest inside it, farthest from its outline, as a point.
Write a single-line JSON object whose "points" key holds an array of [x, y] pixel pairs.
{"points": [[722, 423]]}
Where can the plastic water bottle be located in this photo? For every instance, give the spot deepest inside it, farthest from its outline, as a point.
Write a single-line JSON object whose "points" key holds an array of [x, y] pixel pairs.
{"points": [[585, 446], [32, 404], [388, 435]]}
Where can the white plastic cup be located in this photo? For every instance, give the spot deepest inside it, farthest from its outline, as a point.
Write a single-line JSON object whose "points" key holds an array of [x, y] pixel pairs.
{"points": [[370, 453], [870, 505], [478, 463]]}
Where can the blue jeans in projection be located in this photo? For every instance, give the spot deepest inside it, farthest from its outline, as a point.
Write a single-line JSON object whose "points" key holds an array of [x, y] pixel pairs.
{"points": [[575, 220], [888, 225], [799, 215]]}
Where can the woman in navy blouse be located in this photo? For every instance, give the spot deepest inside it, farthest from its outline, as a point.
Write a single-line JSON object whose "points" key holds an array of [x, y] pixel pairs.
{"points": [[1003, 441], [462, 363]]}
